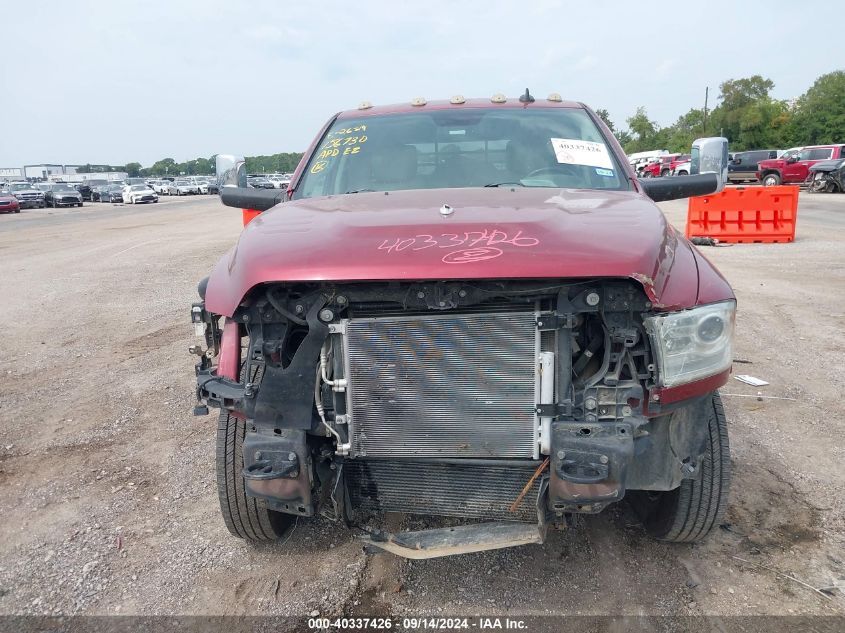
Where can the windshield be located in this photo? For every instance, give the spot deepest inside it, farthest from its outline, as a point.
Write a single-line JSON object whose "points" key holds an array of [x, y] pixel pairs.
{"points": [[63, 188], [20, 186], [473, 147], [138, 188], [182, 182]]}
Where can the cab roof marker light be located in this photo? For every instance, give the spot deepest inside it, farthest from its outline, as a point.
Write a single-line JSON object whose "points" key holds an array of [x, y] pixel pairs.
{"points": [[498, 98], [365, 105], [554, 97], [418, 101], [457, 100]]}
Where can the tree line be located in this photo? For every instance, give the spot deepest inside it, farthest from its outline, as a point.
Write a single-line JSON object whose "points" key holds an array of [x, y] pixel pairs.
{"points": [[748, 117], [284, 162]]}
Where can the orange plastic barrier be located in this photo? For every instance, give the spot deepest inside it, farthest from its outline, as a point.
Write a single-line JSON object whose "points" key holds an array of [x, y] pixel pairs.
{"points": [[250, 215], [745, 214]]}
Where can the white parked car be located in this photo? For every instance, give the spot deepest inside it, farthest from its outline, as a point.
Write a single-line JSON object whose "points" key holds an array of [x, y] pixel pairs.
{"points": [[136, 194], [182, 187], [279, 182], [160, 186], [201, 184]]}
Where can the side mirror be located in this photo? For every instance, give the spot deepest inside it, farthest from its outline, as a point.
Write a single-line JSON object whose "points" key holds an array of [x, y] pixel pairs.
{"points": [[792, 159], [231, 170], [234, 191], [710, 156], [708, 173]]}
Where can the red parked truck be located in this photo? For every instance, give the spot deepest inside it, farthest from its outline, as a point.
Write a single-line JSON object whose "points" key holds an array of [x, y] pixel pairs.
{"points": [[661, 167], [793, 166], [468, 308]]}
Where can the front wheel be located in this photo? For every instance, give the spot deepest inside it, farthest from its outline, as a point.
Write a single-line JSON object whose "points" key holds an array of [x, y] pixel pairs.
{"points": [[771, 180], [245, 517], [688, 513]]}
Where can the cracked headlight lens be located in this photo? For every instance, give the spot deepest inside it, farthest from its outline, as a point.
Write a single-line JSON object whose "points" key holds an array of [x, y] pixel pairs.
{"points": [[692, 344]]}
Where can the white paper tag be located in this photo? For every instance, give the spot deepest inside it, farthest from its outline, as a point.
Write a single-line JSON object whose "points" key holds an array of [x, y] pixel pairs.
{"points": [[751, 380], [576, 152]]}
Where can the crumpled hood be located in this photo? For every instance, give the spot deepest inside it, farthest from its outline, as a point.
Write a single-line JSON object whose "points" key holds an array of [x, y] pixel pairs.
{"points": [[489, 233]]}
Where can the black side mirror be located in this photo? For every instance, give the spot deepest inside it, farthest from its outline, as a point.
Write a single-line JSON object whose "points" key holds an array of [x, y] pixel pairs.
{"points": [[708, 173], [792, 159]]}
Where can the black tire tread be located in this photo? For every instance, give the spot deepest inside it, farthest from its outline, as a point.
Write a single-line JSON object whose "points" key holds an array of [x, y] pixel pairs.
{"points": [[689, 513], [245, 517]]}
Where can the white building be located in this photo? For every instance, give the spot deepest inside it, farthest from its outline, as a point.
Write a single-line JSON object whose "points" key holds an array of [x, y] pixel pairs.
{"points": [[8, 174], [43, 172]]}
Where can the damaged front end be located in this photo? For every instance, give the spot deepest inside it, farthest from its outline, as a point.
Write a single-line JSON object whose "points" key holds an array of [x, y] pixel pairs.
{"points": [[513, 403]]}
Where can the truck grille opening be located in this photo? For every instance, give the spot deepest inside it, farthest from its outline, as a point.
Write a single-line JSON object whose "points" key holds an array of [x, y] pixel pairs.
{"points": [[445, 385]]}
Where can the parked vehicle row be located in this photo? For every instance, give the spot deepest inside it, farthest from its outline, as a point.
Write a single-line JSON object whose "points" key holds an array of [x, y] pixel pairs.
{"points": [[45, 194], [268, 181], [770, 167]]}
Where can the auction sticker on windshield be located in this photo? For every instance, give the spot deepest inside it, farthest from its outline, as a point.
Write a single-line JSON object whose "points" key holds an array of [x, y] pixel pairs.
{"points": [[576, 152]]}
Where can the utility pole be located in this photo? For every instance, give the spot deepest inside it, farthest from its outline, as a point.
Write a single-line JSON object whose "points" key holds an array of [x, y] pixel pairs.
{"points": [[706, 94]]}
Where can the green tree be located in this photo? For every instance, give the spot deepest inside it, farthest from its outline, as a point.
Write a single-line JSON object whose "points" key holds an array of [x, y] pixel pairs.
{"points": [[645, 133], [685, 130], [739, 109], [604, 115], [133, 169], [820, 112]]}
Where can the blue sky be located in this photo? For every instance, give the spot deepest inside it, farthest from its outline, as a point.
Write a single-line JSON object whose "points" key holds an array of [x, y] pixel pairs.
{"points": [[113, 82]]}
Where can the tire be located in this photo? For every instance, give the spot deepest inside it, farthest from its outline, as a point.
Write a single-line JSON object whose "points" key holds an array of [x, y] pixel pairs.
{"points": [[683, 173], [688, 513], [771, 180], [245, 517]]}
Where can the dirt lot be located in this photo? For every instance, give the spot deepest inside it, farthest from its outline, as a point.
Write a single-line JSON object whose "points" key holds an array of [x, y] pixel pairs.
{"points": [[107, 481]]}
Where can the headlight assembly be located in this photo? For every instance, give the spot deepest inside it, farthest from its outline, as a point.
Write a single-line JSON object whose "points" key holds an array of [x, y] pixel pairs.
{"points": [[692, 344]]}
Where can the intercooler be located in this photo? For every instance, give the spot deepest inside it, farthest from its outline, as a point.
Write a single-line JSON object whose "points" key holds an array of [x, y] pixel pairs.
{"points": [[482, 490], [450, 385]]}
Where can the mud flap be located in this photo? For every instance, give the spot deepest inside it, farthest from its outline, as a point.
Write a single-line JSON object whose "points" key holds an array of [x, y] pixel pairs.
{"points": [[589, 465]]}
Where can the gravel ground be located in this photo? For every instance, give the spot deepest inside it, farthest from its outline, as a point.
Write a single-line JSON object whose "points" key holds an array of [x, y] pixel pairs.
{"points": [[107, 481]]}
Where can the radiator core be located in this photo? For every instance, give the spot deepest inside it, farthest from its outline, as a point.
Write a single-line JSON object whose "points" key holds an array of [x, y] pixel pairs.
{"points": [[443, 385]]}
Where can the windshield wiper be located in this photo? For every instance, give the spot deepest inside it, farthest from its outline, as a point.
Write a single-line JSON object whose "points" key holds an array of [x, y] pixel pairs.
{"points": [[361, 191], [503, 184]]}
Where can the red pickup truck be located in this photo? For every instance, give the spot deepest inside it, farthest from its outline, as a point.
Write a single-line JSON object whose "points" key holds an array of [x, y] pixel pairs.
{"points": [[659, 167], [375, 339], [793, 166]]}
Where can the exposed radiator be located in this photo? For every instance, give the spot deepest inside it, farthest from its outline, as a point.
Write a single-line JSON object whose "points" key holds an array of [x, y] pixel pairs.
{"points": [[471, 491], [443, 385]]}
